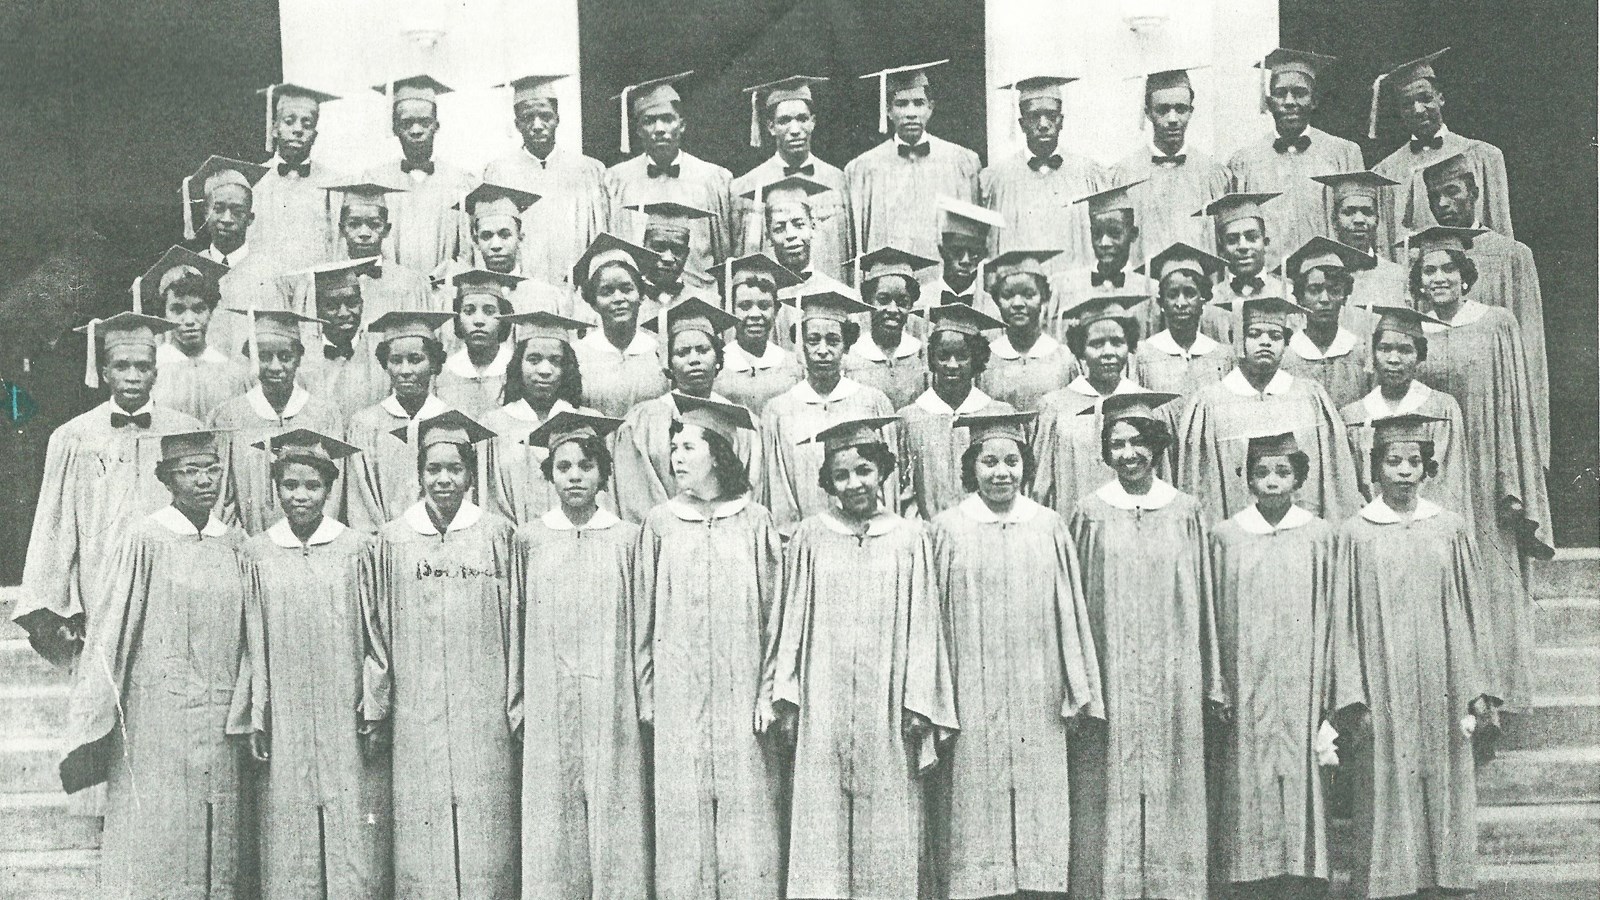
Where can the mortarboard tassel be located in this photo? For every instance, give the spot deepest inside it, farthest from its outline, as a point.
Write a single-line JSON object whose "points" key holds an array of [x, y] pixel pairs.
{"points": [[883, 103], [1372, 111], [91, 375], [272, 94], [727, 283], [188, 208], [627, 145], [138, 294], [1266, 85], [755, 119]]}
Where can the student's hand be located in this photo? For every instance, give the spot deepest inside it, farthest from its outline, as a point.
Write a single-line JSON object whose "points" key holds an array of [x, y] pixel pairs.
{"points": [[260, 747], [785, 725], [915, 727], [1220, 713], [1512, 512], [373, 738]]}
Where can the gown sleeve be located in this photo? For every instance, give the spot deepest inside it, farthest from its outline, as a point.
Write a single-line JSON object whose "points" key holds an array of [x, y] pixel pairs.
{"points": [[929, 688], [48, 599], [1080, 662], [644, 622], [372, 592], [770, 585], [506, 552], [252, 694]]}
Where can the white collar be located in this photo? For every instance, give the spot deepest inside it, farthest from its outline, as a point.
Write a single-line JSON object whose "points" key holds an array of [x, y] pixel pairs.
{"points": [[522, 412], [1023, 510], [148, 407], [556, 520], [168, 352], [257, 398], [1378, 512], [1253, 522], [466, 517], [176, 522], [234, 258], [542, 163], [898, 143], [740, 360], [1378, 408], [643, 343], [1470, 312], [1163, 341], [459, 364], [1157, 151], [721, 511], [327, 530], [933, 403], [1442, 133], [1236, 383], [1082, 386], [871, 352], [1305, 348], [1044, 346], [430, 407], [1160, 495], [879, 525], [805, 393]]}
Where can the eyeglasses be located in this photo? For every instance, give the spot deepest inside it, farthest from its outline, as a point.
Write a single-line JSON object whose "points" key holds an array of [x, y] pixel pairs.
{"points": [[211, 471]]}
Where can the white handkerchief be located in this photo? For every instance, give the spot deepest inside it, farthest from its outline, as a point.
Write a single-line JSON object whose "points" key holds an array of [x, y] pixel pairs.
{"points": [[1327, 755]]}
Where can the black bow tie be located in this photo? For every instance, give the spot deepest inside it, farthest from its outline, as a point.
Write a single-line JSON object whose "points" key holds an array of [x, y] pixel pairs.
{"points": [[1115, 279], [807, 169], [1245, 287], [1176, 159], [655, 171], [334, 351], [952, 297], [119, 420], [1299, 145], [303, 170], [1434, 143], [1052, 162], [907, 151], [422, 165], [373, 271]]}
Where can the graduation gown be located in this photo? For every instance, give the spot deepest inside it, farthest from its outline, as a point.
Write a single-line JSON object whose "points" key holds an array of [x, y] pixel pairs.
{"points": [[1411, 197], [1023, 662], [351, 383], [1022, 379], [381, 482], [518, 489], [149, 711], [892, 200], [751, 381], [470, 389], [642, 476], [1161, 365], [1276, 621], [902, 376], [297, 221], [426, 229], [831, 247], [862, 644], [615, 380], [930, 450], [256, 281], [1168, 198], [1448, 488], [1344, 369], [708, 607], [439, 622], [1038, 206], [572, 209], [1478, 360], [585, 808], [195, 386], [1139, 808], [789, 485], [1211, 457], [249, 498], [1420, 656], [1066, 445], [1387, 282], [700, 184], [325, 819], [98, 481], [1304, 207], [1508, 278]]}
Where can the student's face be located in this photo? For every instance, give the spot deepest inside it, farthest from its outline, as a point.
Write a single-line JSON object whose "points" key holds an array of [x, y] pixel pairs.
{"points": [[543, 365], [1441, 278], [130, 373], [302, 494], [445, 476], [1401, 465], [195, 481], [1422, 108], [575, 475], [661, 131], [1020, 301], [790, 228], [998, 468], [1041, 125], [1356, 222], [410, 368], [909, 112], [1131, 457], [790, 127], [1264, 343], [961, 254], [1271, 476], [497, 239], [690, 456], [416, 124], [950, 359], [537, 121], [1395, 359], [1181, 300], [229, 215], [1324, 298], [1112, 234], [363, 227], [279, 362], [192, 316], [692, 366], [1105, 350], [891, 304], [616, 296], [1292, 101], [1169, 111], [478, 320], [294, 128], [342, 311], [856, 482], [822, 342], [671, 249], [757, 310], [1244, 246], [1452, 203]]}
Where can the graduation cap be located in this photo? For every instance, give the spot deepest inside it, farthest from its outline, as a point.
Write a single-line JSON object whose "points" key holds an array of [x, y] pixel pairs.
{"points": [[570, 425], [282, 323], [734, 271], [967, 219], [490, 199], [1129, 405], [369, 192], [540, 324], [889, 261], [725, 419], [409, 323], [1405, 428], [341, 277], [1302, 61], [669, 217], [121, 330], [851, 433], [416, 87], [1089, 310], [449, 427], [1320, 252], [1114, 199], [791, 187], [1281, 444], [304, 443], [214, 173], [1440, 237], [1019, 262], [962, 319], [1354, 184], [275, 93], [691, 314], [1400, 76], [832, 304], [766, 96], [176, 263], [608, 248], [983, 427], [176, 445], [1455, 167], [532, 87], [1230, 208], [1403, 320], [893, 81], [1271, 310], [476, 282], [1181, 257], [1039, 87], [637, 99]]}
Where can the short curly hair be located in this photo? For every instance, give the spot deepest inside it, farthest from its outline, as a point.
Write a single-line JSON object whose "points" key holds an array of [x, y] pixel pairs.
{"points": [[469, 459], [869, 288], [1430, 466], [1420, 342], [877, 453], [436, 354], [587, 289], [725, 462], [1298, 461], [193, 284], [593, 447], [1464, 265], [977, 348], [969, 466], [325, 467], [718, 349], [1202, 285], [850, 331], [1078, 335], [1341, 277], [1153, 433]]}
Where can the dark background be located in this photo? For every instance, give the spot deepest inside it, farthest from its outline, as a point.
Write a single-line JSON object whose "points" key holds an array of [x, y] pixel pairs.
{"points": [[106, 104]]}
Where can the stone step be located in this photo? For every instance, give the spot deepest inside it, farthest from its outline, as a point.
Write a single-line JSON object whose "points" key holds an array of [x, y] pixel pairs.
{"points": [[1524, 777], [1552, 833], [1554, 721], [40, 874], [28, 765], [1539, 881], [40, 821], [20, 665], [1566, 671], [33, 710], [1575, 572], [1567, 622]]}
